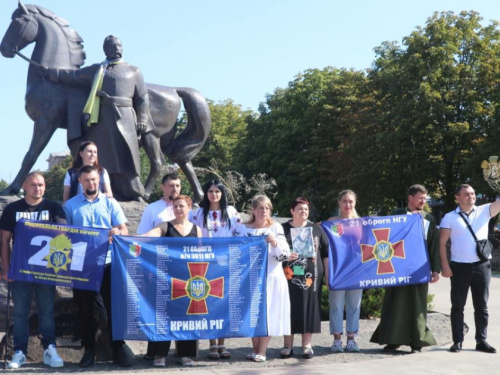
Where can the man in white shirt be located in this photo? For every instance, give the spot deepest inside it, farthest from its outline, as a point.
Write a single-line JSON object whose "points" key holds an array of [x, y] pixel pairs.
{"points": [[466, 270], [161, 210]]}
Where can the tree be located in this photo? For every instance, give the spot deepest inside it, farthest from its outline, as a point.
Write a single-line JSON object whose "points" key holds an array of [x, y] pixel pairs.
{"points": [[300, 135], [54, 179], [436, 101], [228, 127]]}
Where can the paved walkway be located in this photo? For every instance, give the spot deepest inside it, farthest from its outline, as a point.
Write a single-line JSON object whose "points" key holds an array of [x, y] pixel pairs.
{"points": [[436, 361]]}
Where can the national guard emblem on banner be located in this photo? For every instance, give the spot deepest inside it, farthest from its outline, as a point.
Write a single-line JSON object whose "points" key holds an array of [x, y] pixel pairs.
{"points": [[383, 251], [197, 288], [59, 249]]}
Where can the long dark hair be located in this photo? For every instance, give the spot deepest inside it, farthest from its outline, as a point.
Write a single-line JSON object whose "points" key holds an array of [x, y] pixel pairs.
{"points": [[205, 203], [78, 161]]}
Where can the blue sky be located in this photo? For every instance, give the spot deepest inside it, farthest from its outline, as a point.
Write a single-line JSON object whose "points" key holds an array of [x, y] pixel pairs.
{"points": [[226, 49]]}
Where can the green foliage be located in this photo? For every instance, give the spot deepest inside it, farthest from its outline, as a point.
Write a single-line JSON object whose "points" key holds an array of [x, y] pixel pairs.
{"points": [[221, 149], [54, 179], [371, 303], [426, 112], [325, 304], [228, 127], [3, 184], [437, 96], [430, 299], [300, 134]]}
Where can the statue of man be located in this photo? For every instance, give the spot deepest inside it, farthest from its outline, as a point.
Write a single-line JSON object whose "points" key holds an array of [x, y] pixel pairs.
{"points": [[116, 113]]}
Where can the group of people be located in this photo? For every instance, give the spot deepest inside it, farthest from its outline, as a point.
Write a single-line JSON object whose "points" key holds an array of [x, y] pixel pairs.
{"points": [[294, 282]]}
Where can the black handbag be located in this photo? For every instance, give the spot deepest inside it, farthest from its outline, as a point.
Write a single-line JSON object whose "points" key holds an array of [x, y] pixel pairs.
{"points": [[483, 247]]}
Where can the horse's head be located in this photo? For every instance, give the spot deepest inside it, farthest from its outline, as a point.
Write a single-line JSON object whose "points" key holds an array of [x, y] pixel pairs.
{"points": [[22, 31]]}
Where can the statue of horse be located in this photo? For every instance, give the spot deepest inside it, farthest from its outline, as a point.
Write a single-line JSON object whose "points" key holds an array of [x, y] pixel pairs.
{"points": [[53, 106]]}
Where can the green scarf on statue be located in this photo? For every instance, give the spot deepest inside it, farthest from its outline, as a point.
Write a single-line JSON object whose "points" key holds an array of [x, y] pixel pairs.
{"points": [[91, 109]]}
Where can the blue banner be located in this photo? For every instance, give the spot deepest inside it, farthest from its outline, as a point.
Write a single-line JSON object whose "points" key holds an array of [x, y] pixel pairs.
{"points": [[56, 254], [374, 252], [188, 288]]}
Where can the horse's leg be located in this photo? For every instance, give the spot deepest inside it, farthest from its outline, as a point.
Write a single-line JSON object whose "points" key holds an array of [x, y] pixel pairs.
{"points": [[42, 132], [151, 145], [188, 170]]}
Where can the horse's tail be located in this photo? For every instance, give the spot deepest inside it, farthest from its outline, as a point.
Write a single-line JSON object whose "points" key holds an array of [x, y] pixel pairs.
{"points": [[190, 141]]}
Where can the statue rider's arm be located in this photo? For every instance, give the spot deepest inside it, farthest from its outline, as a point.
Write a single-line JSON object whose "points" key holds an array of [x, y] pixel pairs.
{"points": [[81, 77], [141, 103]]}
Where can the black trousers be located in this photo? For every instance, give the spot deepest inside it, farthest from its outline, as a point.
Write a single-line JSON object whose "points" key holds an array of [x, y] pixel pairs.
{"points": [[85, 301], [475, 276], [186, 348]]}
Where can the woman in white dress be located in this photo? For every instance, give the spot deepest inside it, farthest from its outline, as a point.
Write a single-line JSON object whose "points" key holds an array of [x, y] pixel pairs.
{"points": [[278, 300], [216, 219]]}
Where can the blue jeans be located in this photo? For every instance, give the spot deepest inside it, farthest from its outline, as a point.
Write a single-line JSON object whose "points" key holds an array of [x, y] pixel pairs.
{"points": [[22, 293], [352, 301]]}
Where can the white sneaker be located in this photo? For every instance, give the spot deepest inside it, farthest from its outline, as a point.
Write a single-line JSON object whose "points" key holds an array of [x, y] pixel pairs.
{"points": [[51, 358], [18, 359], [337, 346], [352, 346]]}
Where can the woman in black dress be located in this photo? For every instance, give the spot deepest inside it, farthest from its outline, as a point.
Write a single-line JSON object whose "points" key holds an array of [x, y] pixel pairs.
{"points": [[179, 227], [304, 271]]}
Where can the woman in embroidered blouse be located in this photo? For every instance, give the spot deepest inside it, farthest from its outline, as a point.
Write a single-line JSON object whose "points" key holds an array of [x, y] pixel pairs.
{"points": [[86, 155], [216, 219], [278, 300]]}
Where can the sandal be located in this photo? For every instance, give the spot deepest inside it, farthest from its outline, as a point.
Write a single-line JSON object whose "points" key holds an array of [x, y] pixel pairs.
{"points": [[223, 352], [251, 356], [307, 352], [186, 361], [286, 352], [213, 353], [259, 358]]}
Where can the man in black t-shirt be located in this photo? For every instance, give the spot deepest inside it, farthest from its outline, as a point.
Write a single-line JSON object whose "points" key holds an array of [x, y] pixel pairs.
{"points": [[32, 207]]}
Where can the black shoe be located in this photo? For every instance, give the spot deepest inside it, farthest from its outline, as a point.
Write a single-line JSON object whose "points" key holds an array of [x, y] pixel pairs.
{"points": [[416, 349], [121, 357], [286, 352], [483, 346], [87, 359], [391, 348], [456, 347]]}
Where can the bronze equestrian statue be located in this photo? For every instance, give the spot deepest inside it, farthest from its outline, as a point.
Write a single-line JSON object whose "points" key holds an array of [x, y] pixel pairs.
{"points": [[59, 105]]}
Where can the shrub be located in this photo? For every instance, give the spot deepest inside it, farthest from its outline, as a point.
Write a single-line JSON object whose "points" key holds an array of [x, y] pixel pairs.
{"points": [[371, 303]]}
